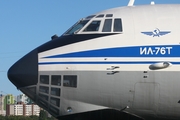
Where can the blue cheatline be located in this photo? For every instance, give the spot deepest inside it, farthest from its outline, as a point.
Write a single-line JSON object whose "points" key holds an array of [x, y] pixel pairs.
{"points": [[135, 51], [138, 62]]}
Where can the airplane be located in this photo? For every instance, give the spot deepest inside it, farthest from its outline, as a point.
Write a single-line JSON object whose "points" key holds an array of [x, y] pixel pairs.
{"points": [[125, 59]]}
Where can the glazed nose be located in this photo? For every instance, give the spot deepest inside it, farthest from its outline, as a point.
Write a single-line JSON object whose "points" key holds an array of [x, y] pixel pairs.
{"points": [[25, 71]]}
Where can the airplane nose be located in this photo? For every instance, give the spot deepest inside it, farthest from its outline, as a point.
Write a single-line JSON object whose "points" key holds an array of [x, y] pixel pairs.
{"points": [[25, 71]]}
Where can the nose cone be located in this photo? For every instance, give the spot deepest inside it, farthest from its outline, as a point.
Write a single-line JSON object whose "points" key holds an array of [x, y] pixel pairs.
{"points": [[25, 71]]}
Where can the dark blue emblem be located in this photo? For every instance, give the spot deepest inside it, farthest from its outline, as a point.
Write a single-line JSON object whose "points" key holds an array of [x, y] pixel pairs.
{"points": [[156, 32]]}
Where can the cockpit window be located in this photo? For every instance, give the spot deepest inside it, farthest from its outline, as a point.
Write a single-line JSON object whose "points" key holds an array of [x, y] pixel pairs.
{"points": [[118, 25], [100, 16], [109, 15], [93, 26], [74, 29], [107, 25]]}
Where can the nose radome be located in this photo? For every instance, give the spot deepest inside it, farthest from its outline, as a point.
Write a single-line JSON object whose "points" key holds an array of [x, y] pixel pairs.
{"points": [[25, 71]]}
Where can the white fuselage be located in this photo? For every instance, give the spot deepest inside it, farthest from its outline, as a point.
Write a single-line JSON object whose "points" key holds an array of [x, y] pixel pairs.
{"points": [[115, 71]]}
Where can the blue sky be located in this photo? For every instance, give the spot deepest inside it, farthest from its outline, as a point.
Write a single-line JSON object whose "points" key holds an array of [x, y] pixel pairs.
{"points": [[26, 24]]}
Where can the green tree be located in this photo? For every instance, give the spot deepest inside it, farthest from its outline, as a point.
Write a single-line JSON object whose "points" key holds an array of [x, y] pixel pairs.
{"points": [[34, 117], [19, 118], [43, 115], [2, 117]]}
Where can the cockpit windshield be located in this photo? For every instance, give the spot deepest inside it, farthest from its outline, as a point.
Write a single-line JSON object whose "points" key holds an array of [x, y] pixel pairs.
{"points": [[75, 28], [97, 24]]}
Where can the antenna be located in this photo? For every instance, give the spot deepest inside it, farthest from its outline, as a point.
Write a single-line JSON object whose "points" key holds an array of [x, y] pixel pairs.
{"points": [[131, 2]]}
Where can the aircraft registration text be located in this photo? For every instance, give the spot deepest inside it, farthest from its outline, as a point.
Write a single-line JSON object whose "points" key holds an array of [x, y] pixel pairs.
{"points": [[155, 50]]}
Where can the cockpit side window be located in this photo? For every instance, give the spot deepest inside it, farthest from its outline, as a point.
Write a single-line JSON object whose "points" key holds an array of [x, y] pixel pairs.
{"points": [[74, 29], [93, 26], [118, 25], [107, 25]]}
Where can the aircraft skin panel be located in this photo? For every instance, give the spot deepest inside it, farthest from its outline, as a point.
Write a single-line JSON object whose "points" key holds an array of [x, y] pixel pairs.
{"points": [[106, 90]]}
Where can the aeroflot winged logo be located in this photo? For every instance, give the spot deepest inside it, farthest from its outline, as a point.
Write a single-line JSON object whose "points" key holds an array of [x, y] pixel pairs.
{"points": [[156, 33]]}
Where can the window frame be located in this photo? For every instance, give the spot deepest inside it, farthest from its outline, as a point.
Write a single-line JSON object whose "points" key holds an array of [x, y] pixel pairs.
{"points": [[44, 89], [100, 16], [57, 101], [57, 91], [70, 85], [83, 30], [44, 83], [109, 16], [58, 82], [43, 96], [73, 30], [106, 25], [120, 24]]}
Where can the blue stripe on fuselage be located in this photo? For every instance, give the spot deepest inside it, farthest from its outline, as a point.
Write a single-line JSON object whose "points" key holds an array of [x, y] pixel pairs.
{"points": [[135, 51], [133, 62]]}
